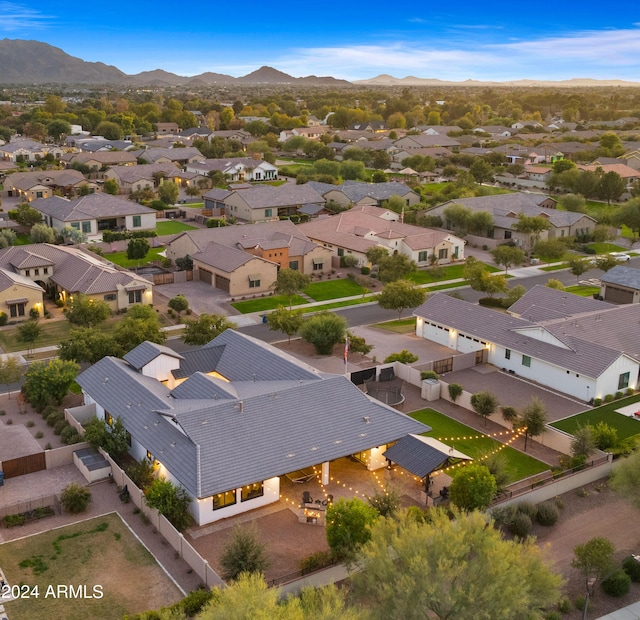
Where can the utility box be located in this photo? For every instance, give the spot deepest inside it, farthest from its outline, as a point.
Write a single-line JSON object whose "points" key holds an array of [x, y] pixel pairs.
{"points": [[430, 389]]}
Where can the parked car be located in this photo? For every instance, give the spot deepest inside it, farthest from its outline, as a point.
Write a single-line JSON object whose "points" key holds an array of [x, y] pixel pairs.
{"points": [[621, 256]]}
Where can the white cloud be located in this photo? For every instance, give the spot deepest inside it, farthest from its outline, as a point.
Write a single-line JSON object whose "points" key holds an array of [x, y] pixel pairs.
{"points": [[607, 54], [19, 17]]}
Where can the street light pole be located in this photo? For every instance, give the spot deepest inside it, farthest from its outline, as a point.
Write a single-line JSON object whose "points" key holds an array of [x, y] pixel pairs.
{"points": [[590, 583]]}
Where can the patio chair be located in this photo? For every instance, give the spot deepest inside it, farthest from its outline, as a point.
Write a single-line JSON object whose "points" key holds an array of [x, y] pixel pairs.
{"points": [[306, 498]]}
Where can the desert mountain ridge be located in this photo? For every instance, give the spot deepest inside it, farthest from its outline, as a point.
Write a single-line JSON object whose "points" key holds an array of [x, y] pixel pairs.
{"points": [[35, 62]]}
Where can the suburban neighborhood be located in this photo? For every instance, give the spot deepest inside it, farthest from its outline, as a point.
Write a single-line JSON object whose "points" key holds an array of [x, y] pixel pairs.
{"points": [[303, 344]]}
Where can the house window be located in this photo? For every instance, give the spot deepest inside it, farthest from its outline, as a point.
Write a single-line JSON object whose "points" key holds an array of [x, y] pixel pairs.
{"points": [[526, 361], [135, 297], [108, 418], [16, 310], [254, 282], [39, 194], [252, 491], [36, 272], [507, 234], [623, 381], [340, 251], [86, 227], [110, 297], [222, 500], [268, 212], [137, 221], [75, 225], [27, 272], [293, 264], [507, 354], [443, 253], [45, 271], [317, 266], [422, 256]]}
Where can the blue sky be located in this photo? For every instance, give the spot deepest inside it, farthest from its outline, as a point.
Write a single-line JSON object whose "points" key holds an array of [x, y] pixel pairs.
{"points": [[496, 40]]}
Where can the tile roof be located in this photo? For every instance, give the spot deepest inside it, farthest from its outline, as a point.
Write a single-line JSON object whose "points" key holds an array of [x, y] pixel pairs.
{"points": [[269, 196], [147, 352], [625, 276], [286, 413], [131, 174], [88, 207]]}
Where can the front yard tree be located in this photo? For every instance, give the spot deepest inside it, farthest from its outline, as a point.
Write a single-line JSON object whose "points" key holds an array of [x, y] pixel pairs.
{"points": [[244, 553], [110, 186], [178, 303], [376, 253], [88, 312], [168, 192], [88, 344], [285, 320], [50, 382], [606, 262], [534, 418], [171, 501], [473, 487], [452, 568], [41, 233], [205, 328], [508, 256], [323, 331], [26, 215], [629, 214], [531, 225], [594, 558], [395, 267], [484, 404], [610, 186], [29, 332], [139, 324], [347, 526], [289, 283], [10, 371], [400, 295], [578, 265], [137, 249]]}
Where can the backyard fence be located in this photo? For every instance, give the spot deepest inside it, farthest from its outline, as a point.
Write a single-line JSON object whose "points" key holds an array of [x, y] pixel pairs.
{"points": [[52, 501]]}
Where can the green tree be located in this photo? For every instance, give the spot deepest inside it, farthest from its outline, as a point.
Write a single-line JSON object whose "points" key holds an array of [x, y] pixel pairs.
{"points": [[400, 295], [625, 479], [628, 214], [244, 553], [473, 487], [7, 237], [26, 215], [578, 265], [604, 436], [481, 170], [573, 202], [484, 404], [109, 130], [508, 256], [481, 223], [58, 128], [88, 312], [448, 568], [290, 282], [324, 330], [582, 443], [73, 235], [509, 414], [606, 262], [171, 501], [41, 233], [550, 250], [404, 357], [352, 170], [610, 186], [395, 204], [111, 187], [137, 249], [376, 254], [534, 418], [346, 526], [556, 284], [139, 324], [112, 439], [531, 225], [75, 498], [513, 294], [178, 303], [49, 382], [168, 192], [457, 218], [10, 371], [395, 267], [205, 328], [29, 332], [594, 558], [285, 320], [88, 344]]}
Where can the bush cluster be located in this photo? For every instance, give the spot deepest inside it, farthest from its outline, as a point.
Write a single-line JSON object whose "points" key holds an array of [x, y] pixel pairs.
{"points": [[111, 235]]}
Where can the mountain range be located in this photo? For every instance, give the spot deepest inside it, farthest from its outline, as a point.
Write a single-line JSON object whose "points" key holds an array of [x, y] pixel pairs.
{"points": [[34, 62]]}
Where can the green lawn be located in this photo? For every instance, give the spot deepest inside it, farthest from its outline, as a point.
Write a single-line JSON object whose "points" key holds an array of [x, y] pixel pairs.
{"points": [[333, 289], [477, 445], [172, 227], [193, 205], [583, 291], [403, 326], [261, 304], [120, 258], [451, 272], [555, 267], [605, 248], [99, 553], [625, 426], [444, 287], [348, 302]]}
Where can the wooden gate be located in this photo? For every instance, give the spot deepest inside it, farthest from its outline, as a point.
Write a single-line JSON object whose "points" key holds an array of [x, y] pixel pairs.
{"points": [[24, 465]]}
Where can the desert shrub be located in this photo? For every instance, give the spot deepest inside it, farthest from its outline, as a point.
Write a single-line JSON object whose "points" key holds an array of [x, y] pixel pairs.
{"points": [[455, 391], [632, 568], [386, 503], [2, 412], [617, 584], [39, 435], [141, 473], [49, 409], [193, 603], [315, 561], [404, 357], [553, 615], [564, 606], [608, 398], [30, 424], [520, 525], [604, 436], [618, 395], [59, 426], [597, 402], [67, 432], [365, 271], [244, 553], [4, 318], [75, 498], [547, 514], [54, 417], [527, 508], [429, 374]]}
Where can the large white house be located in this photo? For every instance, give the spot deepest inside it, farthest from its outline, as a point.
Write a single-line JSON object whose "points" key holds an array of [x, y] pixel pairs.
{"points": [[579, 346], [226, 421]]}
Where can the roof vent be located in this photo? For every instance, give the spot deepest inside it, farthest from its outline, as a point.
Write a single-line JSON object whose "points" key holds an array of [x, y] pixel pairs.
{"points": [[366, 419]]}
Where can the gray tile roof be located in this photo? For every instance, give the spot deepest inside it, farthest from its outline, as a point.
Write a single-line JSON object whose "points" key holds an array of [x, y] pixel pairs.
{"points": [[88, 207], [282, 413], [147, 352], [624, 276], [143, 172], [576, 350], [269, 196]]}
